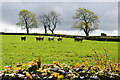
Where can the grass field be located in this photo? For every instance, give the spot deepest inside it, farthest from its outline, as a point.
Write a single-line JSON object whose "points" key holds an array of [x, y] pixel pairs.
{"points": [[14, 50]]}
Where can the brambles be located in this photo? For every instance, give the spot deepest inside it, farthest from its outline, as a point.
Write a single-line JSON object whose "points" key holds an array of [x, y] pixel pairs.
{"points": [[102, 68]]}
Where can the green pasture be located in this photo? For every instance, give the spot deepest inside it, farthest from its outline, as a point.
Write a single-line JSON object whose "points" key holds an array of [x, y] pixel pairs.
{"points": [[14, 50]]}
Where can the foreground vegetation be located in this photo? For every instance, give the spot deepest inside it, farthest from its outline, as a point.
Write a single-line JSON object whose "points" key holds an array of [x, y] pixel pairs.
{"points": [[103, 68], [67, 51]]}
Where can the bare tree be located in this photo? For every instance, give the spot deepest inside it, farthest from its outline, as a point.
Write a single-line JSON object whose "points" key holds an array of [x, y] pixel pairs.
{"points": [[44, 21], [50, 20], [54, 19]]}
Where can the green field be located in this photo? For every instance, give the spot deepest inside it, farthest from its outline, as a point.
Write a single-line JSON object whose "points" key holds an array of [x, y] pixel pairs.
{"points": [[14, 50]]}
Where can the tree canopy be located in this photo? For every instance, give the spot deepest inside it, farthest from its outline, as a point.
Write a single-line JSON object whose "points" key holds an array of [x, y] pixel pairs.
{"points": [[27, 20], [85, 20]]}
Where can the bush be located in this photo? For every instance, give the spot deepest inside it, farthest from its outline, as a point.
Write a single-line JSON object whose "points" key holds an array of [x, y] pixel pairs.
{"points": [[99, 68], [103, 34]]}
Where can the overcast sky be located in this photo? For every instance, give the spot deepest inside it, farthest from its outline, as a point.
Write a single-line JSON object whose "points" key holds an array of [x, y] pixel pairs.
{"points": [[106, 11]]}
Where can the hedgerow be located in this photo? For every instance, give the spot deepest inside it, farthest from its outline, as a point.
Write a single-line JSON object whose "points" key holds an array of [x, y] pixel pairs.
{"points": [[97, 38], [97, 68]]}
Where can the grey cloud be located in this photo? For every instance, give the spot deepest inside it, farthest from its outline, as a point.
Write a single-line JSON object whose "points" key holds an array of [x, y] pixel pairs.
{"points": [[119, 18], [107, 12]]}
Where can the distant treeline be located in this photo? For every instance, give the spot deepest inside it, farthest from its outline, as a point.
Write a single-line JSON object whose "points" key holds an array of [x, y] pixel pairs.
{"points": [[106, 38], [98, 38]]}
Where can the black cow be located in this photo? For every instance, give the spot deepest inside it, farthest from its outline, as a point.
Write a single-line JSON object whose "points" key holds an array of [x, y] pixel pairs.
{"points": [[39, 38], [23, 38]]}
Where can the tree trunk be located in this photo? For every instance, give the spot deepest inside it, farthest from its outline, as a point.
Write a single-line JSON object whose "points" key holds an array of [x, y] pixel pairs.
{"points": [[52, 31], [87, 34], [45, 29], [27, 30], [86, 30]]}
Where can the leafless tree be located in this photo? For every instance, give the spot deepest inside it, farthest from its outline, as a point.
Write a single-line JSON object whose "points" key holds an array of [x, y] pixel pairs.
{"points": [[50, 21], [54, 19], [44, 21]]}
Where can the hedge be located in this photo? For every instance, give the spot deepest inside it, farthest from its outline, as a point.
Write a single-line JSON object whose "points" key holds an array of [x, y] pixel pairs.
{"points": [[97, 38], [103, 38]]}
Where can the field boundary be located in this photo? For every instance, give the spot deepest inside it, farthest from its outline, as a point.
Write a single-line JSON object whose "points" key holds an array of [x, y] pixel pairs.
{"points": [[96, 38]]}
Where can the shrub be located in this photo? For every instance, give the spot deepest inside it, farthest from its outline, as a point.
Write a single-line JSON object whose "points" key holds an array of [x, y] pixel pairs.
{"points": [[103, 34], [99, 68]]}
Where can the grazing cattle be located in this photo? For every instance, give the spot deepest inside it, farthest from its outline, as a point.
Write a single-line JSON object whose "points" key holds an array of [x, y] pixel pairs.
{"points": [[42, 38], [23, 38], [78, 39], [39, 38], [59, 38], [51, 38]]}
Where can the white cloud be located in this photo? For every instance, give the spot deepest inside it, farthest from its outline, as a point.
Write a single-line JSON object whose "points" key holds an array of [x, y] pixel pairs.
{"points": [[15, 29]]}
